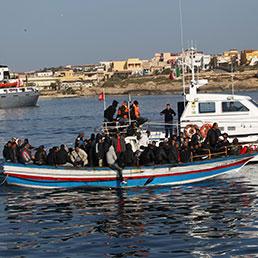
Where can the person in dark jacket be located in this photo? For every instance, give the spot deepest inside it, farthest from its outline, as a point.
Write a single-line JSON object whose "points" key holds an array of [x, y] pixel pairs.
{"points": [[223, 145], [196, 138], [147, 157], [7, 150], [185, 153], [110, 112], [51, 157], [161, 156], [168, 113], [99, 150], [40, 156], [213, 137], [129, 156], [171, 152], [13, 153], [62, 155]]}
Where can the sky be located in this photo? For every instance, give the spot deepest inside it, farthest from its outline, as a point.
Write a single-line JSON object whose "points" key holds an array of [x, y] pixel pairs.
{"points": [[37, 34]]}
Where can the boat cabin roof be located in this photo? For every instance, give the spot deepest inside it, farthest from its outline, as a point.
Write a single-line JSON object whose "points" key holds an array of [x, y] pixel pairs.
{"points": [[215, 97]]}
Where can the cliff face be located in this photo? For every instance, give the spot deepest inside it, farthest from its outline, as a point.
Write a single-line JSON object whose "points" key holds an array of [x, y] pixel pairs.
{"points": [[161, 84]]}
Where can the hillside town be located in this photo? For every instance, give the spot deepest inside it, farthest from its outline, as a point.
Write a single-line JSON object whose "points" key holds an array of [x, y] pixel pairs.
{"points": [[77, 79]]}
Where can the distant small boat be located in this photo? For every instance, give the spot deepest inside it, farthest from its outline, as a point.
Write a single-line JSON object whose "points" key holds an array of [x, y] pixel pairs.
{"points": [[13, 93], [69, 177]]}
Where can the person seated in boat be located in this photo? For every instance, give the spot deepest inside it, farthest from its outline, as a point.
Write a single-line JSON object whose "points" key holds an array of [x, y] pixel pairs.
{"points": [[14, 153], [112, 163], [199, 152], [7, 151], [161, 156], [181, 137], [79, 157], [89, 149], [147, 157], [185, 153], [99, 151], [110, 112], [62, 155], [40, 156], [212, 137], [135, 113], [171, 151], [51, 157], [129, 156], [235, 147], [196, 138], [223, 144], [19, 145], [26, 141], [79, 141], [123, 113], [25, 156]]}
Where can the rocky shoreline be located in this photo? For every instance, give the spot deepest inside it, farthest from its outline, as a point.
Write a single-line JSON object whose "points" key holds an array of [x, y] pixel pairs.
{"points": [[161, 84]]}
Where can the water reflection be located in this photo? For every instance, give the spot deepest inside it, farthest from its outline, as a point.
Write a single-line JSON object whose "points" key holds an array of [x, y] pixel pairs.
{"points": [[212, 218]]}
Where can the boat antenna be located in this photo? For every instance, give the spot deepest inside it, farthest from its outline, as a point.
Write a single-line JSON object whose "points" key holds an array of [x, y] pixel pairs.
{"points": [[232, 77], [182, 47]]}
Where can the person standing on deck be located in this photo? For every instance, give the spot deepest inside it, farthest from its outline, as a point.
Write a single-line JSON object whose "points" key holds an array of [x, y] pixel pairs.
{"points": [[168, 113], [110, 112]]}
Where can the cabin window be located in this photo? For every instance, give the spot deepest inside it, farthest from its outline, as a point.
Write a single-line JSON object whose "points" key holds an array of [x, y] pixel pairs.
{"points": [[207, 107], [233, 106]]}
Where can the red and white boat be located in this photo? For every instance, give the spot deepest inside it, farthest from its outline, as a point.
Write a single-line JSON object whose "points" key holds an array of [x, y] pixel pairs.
{"points": [[13, 93]]}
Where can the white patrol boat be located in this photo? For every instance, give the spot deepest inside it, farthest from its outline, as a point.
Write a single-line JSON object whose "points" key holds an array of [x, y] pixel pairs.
{"points": [[13, 93], [236, 115]]}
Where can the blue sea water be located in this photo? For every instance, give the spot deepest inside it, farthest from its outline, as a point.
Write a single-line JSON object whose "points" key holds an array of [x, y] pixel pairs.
{"points": [[218, 218]]}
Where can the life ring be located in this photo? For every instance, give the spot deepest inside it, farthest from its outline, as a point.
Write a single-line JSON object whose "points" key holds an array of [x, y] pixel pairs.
{"points": [[204, 129], [190, 130]]}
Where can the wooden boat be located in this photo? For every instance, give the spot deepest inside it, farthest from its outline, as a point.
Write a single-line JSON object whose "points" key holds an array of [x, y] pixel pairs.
{"points": [[70, 177]]}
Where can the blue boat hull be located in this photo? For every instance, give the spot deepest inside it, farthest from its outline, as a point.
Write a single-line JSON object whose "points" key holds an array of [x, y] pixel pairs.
{"points": [[49, 177]]}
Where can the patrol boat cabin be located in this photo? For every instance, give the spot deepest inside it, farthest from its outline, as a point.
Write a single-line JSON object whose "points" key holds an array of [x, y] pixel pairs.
{"points": [[235, 114]]}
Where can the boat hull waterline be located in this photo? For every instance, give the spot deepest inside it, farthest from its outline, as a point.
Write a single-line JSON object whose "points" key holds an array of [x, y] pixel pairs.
{"points": [[63, 177]]}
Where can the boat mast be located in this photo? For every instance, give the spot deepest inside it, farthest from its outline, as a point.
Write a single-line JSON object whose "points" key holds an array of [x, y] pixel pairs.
{"points": [[182, 48], [192, 62], [232, 77]]}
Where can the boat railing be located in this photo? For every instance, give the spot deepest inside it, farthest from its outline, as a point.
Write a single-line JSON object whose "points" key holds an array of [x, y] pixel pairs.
{"points": [[224, 151]]}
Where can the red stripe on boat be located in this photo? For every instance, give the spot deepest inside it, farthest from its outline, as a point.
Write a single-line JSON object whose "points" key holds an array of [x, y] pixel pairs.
{"points": [[93, 179]]}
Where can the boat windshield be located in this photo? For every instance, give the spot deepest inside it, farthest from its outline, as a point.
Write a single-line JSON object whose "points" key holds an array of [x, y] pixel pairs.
{"points": [[256, 104]]}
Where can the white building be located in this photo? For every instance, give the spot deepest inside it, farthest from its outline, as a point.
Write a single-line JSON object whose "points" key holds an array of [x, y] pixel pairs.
{"points": [[200, 60], [76, 85], [45, 74]]}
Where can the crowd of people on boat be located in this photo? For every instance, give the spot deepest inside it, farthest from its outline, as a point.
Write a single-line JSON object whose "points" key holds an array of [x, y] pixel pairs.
{"points": [[112, 150]]}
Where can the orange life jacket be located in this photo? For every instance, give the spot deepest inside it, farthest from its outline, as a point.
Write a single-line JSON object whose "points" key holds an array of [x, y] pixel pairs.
{"points": [[136, 111], [123, 111]]}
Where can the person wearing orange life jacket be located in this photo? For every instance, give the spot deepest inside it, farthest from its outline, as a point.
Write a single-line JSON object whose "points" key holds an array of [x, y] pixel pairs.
{"points": [[135, 113], [123, 112]]}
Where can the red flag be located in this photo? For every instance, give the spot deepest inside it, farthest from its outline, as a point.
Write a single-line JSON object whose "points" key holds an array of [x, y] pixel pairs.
{"points": [[101, 96]]}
